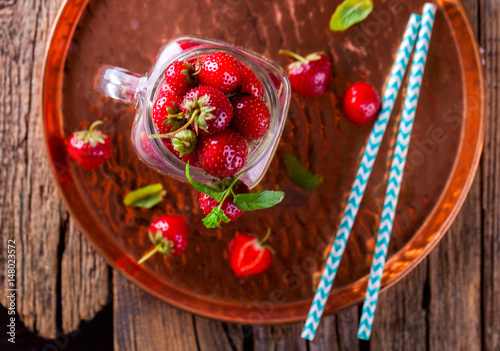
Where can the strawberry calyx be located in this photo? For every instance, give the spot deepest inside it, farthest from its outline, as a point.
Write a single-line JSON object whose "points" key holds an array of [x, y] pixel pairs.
{"points": [[92, 136], [162, 245], [190, 71], [315, 56], [184, 142], [198, 112], [175, 117]]}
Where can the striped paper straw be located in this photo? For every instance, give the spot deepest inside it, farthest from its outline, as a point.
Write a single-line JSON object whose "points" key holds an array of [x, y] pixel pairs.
{"points": [[362, 176], [396, 173]]}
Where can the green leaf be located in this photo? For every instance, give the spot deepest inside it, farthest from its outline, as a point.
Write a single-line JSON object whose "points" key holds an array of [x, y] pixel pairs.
{"points": [[350, 12], [145, 197], [214, 218], [299, 174], [264, 199], [211, 191]]}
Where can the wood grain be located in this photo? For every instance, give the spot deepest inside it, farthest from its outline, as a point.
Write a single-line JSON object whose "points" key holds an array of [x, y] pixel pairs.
{"points": [[32, 212], [142, 322], [490, 177]]}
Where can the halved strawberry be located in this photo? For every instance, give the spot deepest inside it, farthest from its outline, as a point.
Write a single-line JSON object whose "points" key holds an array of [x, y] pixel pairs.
{"points": [[249, 255]]}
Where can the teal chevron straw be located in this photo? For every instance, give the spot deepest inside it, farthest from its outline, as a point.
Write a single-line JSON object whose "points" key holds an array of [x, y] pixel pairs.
{"points": [[396, 174], [361, 179]]}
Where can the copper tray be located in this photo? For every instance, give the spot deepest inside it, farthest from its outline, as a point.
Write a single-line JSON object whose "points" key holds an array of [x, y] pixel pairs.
{"points": [[443, 155]]}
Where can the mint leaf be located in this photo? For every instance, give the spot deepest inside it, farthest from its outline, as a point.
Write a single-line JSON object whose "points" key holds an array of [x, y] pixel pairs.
{"points": [[299, 174], [145, 197], [214, 218], [211, 191], [252, 202], [350, 12]]}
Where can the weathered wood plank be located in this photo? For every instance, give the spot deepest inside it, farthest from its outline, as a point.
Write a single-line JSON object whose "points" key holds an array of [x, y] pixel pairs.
{"points": [[455, 281], [490, 169], [31, 210], [212, 335], [142, 322], [337, 331], [400, 321], [279, 338], [85, 280]]}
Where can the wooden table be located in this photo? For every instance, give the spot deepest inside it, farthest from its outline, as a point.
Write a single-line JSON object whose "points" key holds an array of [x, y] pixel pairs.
{"points": [[451, 301]]}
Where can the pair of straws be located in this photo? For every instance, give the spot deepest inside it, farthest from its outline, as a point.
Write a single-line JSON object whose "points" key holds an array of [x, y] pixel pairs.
{"points": [[423, 27]]}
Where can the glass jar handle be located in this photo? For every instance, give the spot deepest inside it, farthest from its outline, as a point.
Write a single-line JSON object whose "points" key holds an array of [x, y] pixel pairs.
{"points": [[118, 83]]}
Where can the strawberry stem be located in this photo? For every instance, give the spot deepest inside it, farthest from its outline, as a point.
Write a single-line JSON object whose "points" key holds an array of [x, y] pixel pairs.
{"points": [[199, 66], [294, 55], [93, 125], [173, 134], [263, 240], [229, 190], [148, 254]]}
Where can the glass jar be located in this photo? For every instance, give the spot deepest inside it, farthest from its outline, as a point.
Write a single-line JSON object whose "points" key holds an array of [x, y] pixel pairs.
{"points": [[142, 91]]}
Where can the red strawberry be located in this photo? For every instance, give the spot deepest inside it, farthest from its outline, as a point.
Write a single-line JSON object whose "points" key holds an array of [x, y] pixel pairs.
{"points": [[361, 103], [166, 103], [169, 234], [220, 71], [232, 212], [309, 76], [250, 83], [251, 117], [211, 109], [180, 77], [90, 148], [248, 255], [222, 155]]}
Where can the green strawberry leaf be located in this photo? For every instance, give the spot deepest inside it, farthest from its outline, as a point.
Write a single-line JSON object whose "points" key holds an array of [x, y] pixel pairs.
{"points": [[214, 218], [350, 12], [145, 197], [299, 174], [211, 191], [258, 201]]}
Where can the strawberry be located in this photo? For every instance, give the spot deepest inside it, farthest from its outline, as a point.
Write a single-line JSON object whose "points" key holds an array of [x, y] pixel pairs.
{"points": [[180, 76], [90, 148], [191, 157], [250, 83], [231, 211], [309, 76], [208, 109], [220, 71], [224, 154], [249, 255], [251, 117], [361, 103], [167, 103], [169, 234]]}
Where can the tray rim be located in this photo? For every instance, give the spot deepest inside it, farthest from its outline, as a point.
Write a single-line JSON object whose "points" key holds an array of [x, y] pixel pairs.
{"points": [[76, 8]]}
